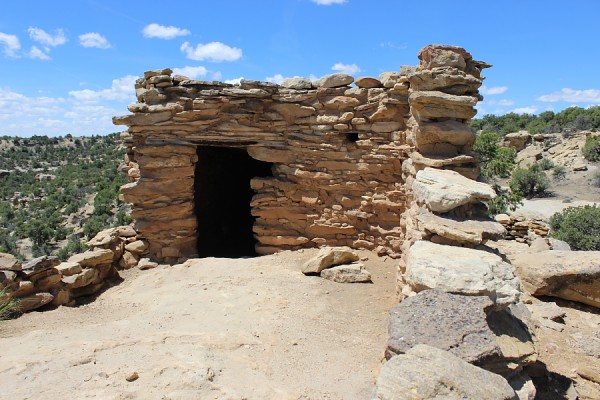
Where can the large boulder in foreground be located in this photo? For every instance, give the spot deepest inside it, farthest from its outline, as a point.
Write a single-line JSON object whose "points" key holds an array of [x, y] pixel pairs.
{"points": [[443, 190], [461, 270], [425, 372], [569, 275], [8, 262], [466, 326]]}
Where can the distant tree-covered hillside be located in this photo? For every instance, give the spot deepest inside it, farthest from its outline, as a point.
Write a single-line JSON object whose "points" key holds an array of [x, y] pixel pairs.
{"points": [[58, 191], [576, 118]]}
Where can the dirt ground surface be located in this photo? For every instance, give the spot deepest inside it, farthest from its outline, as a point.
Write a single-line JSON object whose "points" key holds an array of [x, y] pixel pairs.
{"points": [[211, 328]]}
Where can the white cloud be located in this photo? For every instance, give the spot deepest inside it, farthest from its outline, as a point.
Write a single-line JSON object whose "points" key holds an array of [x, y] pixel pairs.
{"points": [[235, 81], [328, 2], [277, 78], [525, 110], [493, 90], [37, 53], [163, 32], [572, 96], [350, 69], [93, 39], [393, 45], [217, 76], [122, 89], [191, 72], [43, 37], [505, 102], [11, 44], [214, 51]]}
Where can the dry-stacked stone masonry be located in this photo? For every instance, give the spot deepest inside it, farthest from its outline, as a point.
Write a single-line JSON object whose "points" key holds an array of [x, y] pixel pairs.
{"points": [[217, 169]]}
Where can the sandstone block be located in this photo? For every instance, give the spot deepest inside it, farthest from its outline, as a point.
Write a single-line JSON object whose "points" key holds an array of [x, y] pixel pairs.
{"points": [[334, 81], [137, 247], [34, 301], [329, 257], [93, 258], [9, 262], [68, 268], [433, 104], [39, 265], [444, 190], [297, 83], [569, 275], [129, 260], [461, 270], [368, 82], [352, 273], [84, 278], [425, 372], [462, 231]]}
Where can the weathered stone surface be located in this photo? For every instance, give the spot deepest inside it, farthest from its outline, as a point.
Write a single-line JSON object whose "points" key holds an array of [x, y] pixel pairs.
{"points": [[461, 270], [436, 55], [444, 190], [34, 301], [425, 372], [7, 277], [569, 275], [435, 104], [128, 260], [352, 273], [452, 132], [297, 83], [138, 247], [517, 140], [145, 263], [104, 238], [329, 257], [93, 258], [40, 264], [458, 325], [84, 278], [334, 80], [462, 231], [126, 231], [368, 82], [9, 262], [68, 268]]}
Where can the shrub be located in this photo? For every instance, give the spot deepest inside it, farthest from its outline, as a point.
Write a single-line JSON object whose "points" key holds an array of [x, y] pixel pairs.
{"points": [[559, 172], [504, 201], [8, 305], [545, 164], [591, 149], [529, 182], [578, 226], [496, 161]]}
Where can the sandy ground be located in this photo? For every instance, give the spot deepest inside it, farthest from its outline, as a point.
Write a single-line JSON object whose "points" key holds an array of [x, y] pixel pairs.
{"points": [[208, 329]]}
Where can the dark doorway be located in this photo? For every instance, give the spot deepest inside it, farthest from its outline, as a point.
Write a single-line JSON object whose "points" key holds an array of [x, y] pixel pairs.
{"points": [[223, 194]]}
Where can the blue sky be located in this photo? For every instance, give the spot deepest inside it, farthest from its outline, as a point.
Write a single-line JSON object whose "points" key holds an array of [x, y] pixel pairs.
{"points": [[69, 66]]}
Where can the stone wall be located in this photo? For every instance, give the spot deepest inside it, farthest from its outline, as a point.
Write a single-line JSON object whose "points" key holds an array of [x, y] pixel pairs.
{"points": [[340, 154]]}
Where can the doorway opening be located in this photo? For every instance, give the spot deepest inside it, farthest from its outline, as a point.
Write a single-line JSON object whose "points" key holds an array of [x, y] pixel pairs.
{"points": [[222, 201]]}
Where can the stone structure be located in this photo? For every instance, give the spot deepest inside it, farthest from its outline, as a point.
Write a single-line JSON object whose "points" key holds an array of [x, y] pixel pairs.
{"points": [[335, 154]]}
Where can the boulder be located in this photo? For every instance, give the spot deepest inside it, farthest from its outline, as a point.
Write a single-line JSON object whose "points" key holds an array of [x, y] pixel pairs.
{"points": [[8, 262], [126, 231], [390, 79], [517, 140], [461, 270], [334, 80], [368, 82], [452, 132], [138, 247], [68, 268], [329, 257], [433, 104], [444, 190], [297, 83], [353, 273], [93, 258], [104, 238], [460, 325], [569, 275], [145, 263], [129, 260], [34, 301], [84, 278], [39, 265], [425, 372], [469, 231]]}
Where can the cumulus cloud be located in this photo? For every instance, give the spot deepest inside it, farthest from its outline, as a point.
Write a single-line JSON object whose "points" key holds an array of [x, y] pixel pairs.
{"points": [[525, 110], [572, 96], [122, 89], [350, 69], [93, 39], [328, 2], [493, 90], [214, 51], [37, 53], [502, 102], [11, 44], [191, 72], [163, 32], [277, 78], [46, 39], [234, 81]]}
